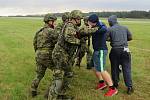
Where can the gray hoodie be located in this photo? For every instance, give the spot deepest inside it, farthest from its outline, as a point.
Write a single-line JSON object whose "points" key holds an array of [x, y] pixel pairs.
{"points": [[118, 35]]}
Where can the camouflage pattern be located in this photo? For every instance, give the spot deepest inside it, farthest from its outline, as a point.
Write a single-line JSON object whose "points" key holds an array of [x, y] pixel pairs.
{"points": [[87, 31], [72, 57], [44, 42], [49, 17], [86, 21], [65, 19], [62, 54], [66, 16], [76, 14], [84, 47]]}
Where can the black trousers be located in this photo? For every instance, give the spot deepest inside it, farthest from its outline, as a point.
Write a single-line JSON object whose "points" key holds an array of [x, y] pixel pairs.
{"points": [[119, 57]]}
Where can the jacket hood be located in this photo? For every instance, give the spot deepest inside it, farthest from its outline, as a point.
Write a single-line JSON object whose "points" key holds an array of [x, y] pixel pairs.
{"points": [[113, 19]]}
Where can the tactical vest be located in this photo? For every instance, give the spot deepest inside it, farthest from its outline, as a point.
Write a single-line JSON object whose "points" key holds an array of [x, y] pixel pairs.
{"points": [[44, 40], [65, 45]]}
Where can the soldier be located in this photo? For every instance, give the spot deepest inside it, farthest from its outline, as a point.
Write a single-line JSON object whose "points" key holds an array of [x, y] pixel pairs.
{"points": [[63, 51], [65, 19], [84, 48], [44, 42]]}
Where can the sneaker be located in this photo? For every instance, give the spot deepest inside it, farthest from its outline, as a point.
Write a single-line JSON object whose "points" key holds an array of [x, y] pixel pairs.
{"points": [[111, 92], [130, 90], [101, 86], [34, 93]]}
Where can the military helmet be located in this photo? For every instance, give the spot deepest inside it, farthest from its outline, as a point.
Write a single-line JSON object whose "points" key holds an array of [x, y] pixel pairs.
{"points": [[49, 17], [66, 16], [85, 19], [76, 14]]}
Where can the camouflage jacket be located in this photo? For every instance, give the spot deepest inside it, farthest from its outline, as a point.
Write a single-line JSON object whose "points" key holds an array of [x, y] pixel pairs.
{"points": [[60, 25], [86, 31], [85, 34], [83, 39], [67, 39], [46, 37]]}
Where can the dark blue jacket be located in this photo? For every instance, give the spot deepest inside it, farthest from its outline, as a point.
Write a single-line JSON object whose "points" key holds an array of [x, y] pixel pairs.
{"points": [[99, 37]]}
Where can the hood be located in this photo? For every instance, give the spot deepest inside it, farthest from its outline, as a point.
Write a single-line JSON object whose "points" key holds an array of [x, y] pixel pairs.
{"points": [[112, 20]]}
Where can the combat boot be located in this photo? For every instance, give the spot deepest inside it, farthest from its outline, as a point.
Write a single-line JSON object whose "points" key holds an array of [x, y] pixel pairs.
{"points": [[52, 97], [78, 65], [34, 93], [46, 94], [78, 62], [33, 90], [88, 66], [34, 87], [65, 97]]}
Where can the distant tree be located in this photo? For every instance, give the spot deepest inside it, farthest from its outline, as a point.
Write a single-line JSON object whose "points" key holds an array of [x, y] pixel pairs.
{"points": [[121, 14]]}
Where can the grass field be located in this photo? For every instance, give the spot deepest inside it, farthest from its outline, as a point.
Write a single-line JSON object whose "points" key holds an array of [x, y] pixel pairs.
{"points": [[17, 65]]}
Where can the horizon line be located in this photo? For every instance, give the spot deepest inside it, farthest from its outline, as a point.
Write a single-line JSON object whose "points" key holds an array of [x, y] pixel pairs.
{"points": [[32, 14]]}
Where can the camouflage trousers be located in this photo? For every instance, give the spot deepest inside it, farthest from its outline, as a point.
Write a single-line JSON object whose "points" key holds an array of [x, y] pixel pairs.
{"points": [[81, 52], [62, 73], [43, 61]]}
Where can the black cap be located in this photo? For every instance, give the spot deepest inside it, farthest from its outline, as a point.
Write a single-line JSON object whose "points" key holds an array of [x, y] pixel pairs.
{"points": [[93, 18]]}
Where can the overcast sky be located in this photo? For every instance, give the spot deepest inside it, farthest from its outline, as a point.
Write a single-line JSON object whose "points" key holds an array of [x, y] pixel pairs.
{"points": [[24, 7]]}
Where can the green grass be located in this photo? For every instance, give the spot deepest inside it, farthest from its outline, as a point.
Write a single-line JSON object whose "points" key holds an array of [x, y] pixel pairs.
{"points": [[17, 65]]}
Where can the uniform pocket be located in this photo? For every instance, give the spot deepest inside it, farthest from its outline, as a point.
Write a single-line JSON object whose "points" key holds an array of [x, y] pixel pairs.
{"points": [[43, 54], [126, 55]]}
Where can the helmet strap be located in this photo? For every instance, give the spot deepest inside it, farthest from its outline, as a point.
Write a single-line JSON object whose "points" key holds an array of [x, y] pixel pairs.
{"points": [[75, 20]]}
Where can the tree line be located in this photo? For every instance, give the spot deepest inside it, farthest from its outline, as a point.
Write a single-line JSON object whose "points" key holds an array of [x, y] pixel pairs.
{"points": [[125, 14], [121, 14]]}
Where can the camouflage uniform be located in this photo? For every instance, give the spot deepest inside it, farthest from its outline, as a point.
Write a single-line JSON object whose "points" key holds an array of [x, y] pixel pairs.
{"points": [[65, 19], [84, 48], [44, 42], [62, 54]]}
